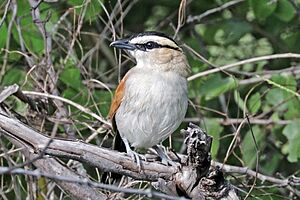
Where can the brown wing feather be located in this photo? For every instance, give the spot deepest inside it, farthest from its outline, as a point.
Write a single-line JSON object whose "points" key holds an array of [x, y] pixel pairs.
{"points": [[117, 98], [118, 142]]}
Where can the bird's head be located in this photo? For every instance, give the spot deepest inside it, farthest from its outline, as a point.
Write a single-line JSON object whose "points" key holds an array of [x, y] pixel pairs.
{"points": [[156, 51]]}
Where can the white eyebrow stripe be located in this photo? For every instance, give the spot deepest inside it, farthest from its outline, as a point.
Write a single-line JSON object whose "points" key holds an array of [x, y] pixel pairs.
{"points": [[159, 39]]}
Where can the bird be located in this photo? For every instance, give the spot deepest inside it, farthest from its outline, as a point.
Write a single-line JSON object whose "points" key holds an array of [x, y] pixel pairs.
{"points": [[151, 100]]}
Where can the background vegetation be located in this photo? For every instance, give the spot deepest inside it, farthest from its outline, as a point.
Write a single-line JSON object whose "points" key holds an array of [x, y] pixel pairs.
{"points": [[252, 109]]}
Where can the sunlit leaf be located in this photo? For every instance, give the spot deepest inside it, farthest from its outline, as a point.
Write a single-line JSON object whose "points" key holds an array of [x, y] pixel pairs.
{"points": [[254, 103], [71, 77], [285, 11], [13, 76], [216, 85], [214, 129], [263, 8], [3, 35], [233, 31], [248, 146], [292, 132]]}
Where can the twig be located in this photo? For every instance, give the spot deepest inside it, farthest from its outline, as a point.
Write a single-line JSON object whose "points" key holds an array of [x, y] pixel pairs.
{"points": [[268, 74], [212, 11], [199, 56], [77, 32], [230, 148], [254, 120], [251, 60], [5, 12], [245, 170], [78, 106], [37, 173], [257, 158], [13, 5], [8, 91], [110, 160], [181, 16], [91, 154]]}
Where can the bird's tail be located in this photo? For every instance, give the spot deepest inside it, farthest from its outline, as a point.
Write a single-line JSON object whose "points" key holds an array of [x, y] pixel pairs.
{"points": [[118, 145]]}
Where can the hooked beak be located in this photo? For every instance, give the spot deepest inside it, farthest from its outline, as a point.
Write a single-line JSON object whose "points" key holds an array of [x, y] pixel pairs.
{"points": [[123, 44]]}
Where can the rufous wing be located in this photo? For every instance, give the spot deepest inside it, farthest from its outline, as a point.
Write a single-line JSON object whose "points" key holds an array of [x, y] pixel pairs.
{"points": [[117, 98]]}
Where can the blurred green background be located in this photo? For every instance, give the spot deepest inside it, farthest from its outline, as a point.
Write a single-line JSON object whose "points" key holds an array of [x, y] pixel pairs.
{"points": [[224, 32]]}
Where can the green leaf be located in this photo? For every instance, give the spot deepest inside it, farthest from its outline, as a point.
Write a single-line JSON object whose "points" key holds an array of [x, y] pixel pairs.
{"points": [[71, 77], [239, 101], [209, 34], [285, 11], [232, 31], [80, 97], [214, 129], [279, 95], [286, 81], [254, 103], [23, 8], [33, 39], [248, 146], [3, 35], [13, 76], [103, 99], [93, 8], [215, 85], [292, 40], [263, 8], [292, 132], [276, 96], [293, 110]]}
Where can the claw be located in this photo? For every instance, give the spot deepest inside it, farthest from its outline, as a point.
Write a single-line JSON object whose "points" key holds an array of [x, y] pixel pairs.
{"points": [[165, 159], [134, 156]]}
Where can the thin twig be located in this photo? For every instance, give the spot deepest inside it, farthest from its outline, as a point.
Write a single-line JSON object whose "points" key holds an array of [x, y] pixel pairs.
{"points": [[230, 148], [198, 18], [5, 12], [8, 91], [36, 173], [245, 170], [268, 74], [14, 7], [78, 106], [243, 62], [254, 120], [257, 158]]}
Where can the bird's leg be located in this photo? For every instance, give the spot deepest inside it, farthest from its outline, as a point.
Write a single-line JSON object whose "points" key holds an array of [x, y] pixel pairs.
{"points": [[165, 159], [134, 156]]}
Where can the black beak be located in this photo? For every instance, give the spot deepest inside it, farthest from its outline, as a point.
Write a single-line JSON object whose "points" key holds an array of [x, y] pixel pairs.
{"points": [[123, 44]]}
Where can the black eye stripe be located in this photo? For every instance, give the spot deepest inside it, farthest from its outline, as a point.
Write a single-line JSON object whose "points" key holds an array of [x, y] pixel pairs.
{"points": [[154, 45], [169, 47]]}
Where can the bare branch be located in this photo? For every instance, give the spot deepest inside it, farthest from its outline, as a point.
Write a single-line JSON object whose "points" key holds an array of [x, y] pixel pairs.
{"points": [[5, 12], [198, 18], [8, 91], [110, 160], [251, 60], [86, 182], [78, 106], [231, 121], [185, 178]]}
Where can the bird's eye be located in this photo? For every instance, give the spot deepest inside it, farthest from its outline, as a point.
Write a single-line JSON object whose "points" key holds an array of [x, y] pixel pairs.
{"points": [[151, 45]]}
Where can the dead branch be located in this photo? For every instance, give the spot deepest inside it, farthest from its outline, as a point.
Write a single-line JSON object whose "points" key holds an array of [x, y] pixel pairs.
{"points": [[102, 158], [192, 180]]}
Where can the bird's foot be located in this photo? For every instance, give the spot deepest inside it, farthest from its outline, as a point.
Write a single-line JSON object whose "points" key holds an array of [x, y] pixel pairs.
{"points": [[134, 155], [136, 158], [165, 159]]}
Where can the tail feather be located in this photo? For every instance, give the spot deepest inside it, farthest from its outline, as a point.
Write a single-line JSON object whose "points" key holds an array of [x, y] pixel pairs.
{"points": [[118, 145]]}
